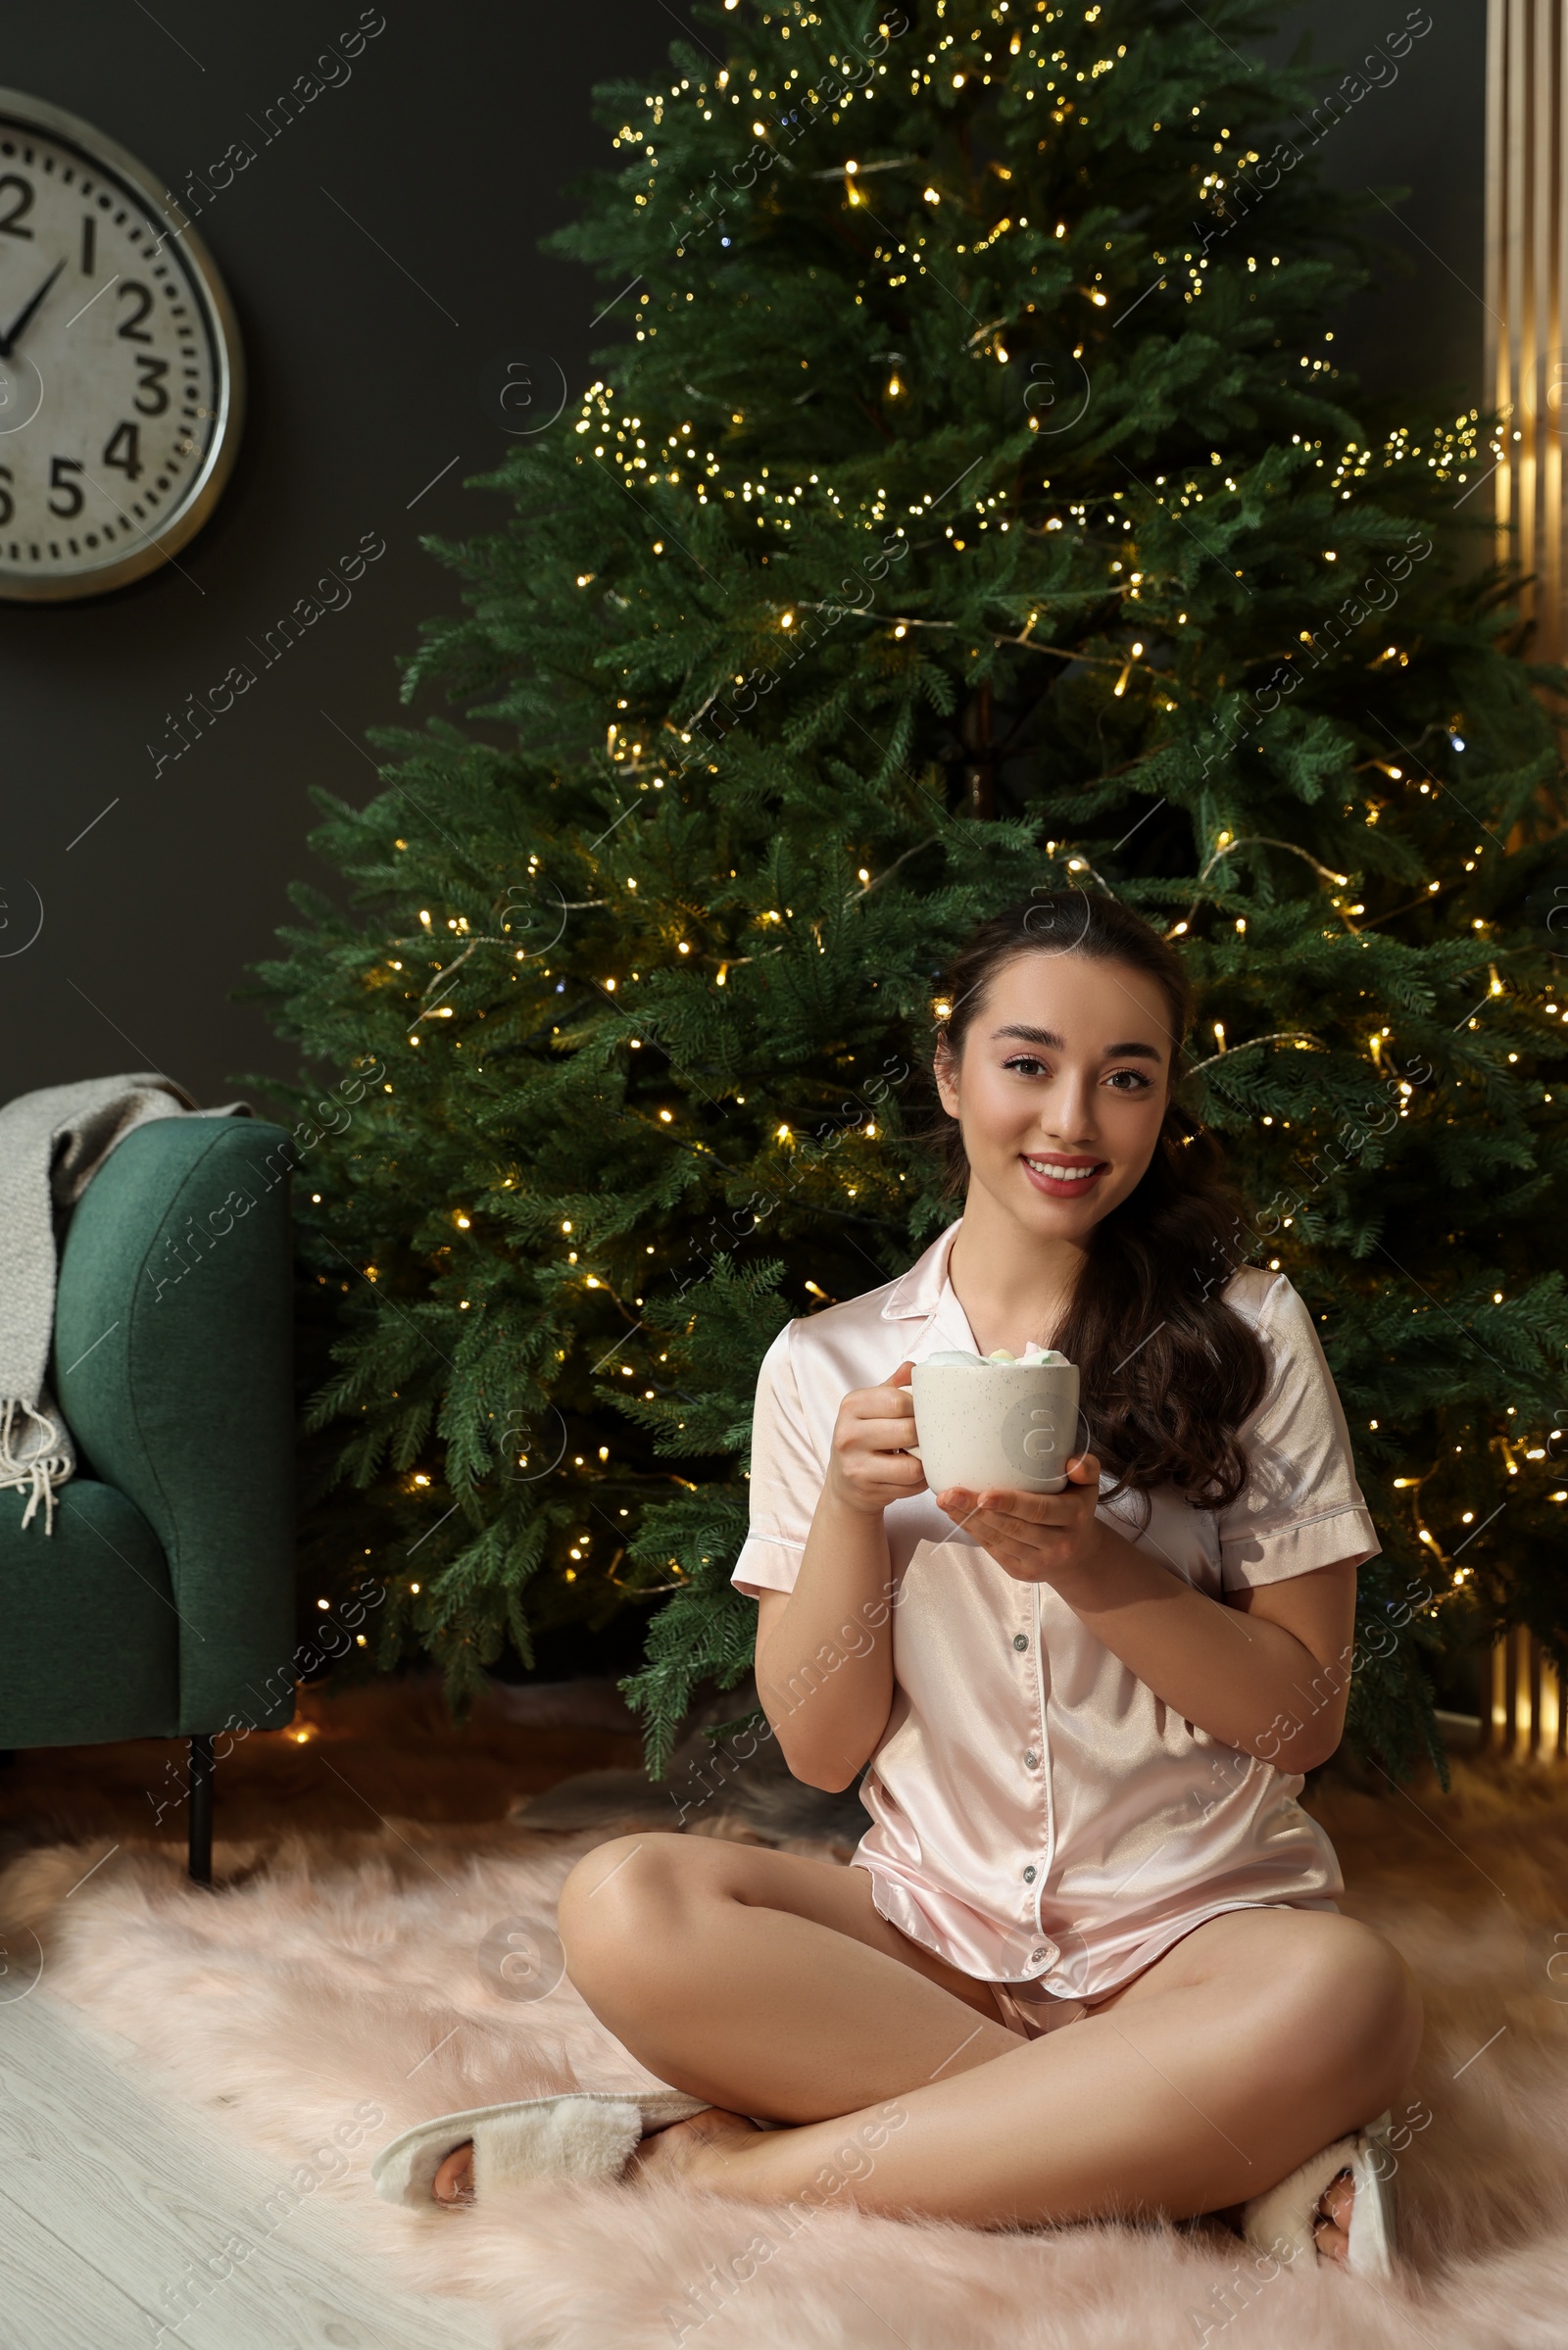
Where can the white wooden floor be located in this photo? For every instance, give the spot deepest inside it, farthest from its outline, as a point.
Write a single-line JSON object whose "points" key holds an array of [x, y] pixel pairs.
{"points": [[110, 2197]]}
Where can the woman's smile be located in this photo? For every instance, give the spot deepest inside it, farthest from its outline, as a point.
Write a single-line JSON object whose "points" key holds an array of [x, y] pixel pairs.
{"points": [[1062, 1177]]}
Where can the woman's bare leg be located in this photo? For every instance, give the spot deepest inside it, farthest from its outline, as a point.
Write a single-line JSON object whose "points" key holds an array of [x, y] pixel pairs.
{"points": [[765, 1981], [761, 1981], [1259, 2038]]}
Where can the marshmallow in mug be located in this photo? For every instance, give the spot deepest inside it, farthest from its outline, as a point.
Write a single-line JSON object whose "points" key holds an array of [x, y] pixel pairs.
{"points": [[1031, 1354]]}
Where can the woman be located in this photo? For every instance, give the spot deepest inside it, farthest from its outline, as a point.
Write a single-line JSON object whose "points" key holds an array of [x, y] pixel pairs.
{"points": [[1087, 1960]]}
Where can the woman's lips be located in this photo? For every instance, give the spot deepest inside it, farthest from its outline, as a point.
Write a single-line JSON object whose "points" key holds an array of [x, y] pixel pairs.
{"points": [[1071, 1186]]}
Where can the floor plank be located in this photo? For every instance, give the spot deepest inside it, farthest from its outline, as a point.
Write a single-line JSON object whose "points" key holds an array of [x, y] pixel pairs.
{"points": [[122, 2194], [48, 2294]]}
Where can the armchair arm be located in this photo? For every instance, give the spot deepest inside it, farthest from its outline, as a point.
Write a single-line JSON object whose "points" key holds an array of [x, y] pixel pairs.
{"points": [[173, 1364]]}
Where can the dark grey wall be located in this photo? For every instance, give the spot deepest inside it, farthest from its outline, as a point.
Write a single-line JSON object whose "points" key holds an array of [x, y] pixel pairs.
{"points": [[366, 345], [1420, 127], [450, 144]]}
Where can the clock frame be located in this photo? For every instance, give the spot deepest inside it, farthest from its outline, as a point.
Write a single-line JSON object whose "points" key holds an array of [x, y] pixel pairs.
{"points": [[77, 518]]}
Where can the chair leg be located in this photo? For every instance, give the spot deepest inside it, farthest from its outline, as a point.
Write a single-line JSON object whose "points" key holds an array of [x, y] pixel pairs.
{"points": [[201, 1810]]}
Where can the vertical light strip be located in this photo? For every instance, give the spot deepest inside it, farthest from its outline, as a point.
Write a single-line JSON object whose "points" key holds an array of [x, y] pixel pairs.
{"points": [[1550, 1709], [1496, 394], [1523, 1710], [1527, 339], [1516, 280], [1527, 298], [1547, 93], [1558, 391]]}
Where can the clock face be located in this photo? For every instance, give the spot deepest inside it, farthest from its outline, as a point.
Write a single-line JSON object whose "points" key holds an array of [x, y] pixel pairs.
{"points": [[120, 364]]}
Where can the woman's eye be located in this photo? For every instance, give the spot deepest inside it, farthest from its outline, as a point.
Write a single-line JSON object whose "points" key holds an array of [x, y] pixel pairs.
{"points": [[1025, 1063], [1135, 1081]]}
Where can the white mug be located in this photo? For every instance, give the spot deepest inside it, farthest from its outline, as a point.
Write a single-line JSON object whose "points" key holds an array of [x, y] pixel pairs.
{"points": [[996, 1424]]}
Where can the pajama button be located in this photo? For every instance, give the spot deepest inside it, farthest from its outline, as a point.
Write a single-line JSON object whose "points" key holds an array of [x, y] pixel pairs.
{"points": [[1028, 1876], [1035, 1956], [1020, 1640], [1031, 1760]]}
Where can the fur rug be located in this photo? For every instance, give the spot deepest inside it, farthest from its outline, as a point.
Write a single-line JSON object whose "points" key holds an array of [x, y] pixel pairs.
{"points": [[337, 1968]]}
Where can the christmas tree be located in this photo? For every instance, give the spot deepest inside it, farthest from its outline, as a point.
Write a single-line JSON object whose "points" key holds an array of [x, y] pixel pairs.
{"points": [[971, 504]]}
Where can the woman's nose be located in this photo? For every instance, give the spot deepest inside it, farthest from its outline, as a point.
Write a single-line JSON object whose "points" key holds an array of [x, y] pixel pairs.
{"points": [[1067, 1118]]}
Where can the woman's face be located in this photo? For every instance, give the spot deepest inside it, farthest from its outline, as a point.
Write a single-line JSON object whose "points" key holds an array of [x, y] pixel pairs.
{"points": [[1061, 1088]]}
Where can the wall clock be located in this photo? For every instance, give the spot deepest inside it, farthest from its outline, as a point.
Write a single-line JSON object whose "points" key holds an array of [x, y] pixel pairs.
{"points": [[122, 381]]}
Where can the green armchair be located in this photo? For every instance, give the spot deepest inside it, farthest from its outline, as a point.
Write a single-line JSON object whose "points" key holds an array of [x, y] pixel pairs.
{"points": [[161, 1605]]}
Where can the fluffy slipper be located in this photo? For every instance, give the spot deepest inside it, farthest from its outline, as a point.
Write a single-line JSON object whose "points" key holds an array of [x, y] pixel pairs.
{"points": [[581, 2133], [1286, 2214]]}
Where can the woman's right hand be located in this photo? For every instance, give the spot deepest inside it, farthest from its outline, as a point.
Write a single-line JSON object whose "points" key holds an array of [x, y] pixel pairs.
{"points": [[866, 1465]]}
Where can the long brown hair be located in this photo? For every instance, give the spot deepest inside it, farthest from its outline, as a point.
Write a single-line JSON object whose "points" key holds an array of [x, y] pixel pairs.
{"points": [[1167, 1371]]}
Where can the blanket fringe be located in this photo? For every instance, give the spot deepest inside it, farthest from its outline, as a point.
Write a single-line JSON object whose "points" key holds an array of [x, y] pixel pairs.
{"points": [[44, 1473]]}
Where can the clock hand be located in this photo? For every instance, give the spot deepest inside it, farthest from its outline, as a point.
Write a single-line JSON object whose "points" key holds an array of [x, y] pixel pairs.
{"points": [[8, 339]]}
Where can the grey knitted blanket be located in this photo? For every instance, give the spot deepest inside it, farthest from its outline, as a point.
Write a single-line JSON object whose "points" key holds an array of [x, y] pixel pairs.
{"points": [[52, 1142]]}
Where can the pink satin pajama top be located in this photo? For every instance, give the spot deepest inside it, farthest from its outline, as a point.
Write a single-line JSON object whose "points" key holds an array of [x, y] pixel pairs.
{"points": [[1037, 1813]]}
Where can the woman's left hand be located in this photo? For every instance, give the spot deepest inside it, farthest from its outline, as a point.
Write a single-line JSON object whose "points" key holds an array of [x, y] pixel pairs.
{"points": [[1035, 1537]]}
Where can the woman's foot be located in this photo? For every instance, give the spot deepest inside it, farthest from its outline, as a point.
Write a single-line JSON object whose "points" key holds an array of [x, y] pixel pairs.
{"points": [[1331, 2227]]}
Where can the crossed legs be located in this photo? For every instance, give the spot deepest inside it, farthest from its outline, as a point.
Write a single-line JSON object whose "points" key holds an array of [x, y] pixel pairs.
{"points": [[767, 1984]]}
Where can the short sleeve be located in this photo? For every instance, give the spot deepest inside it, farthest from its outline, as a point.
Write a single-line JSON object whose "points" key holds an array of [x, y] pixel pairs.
{"points": [[786, 1477], [1300, 1506]]}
